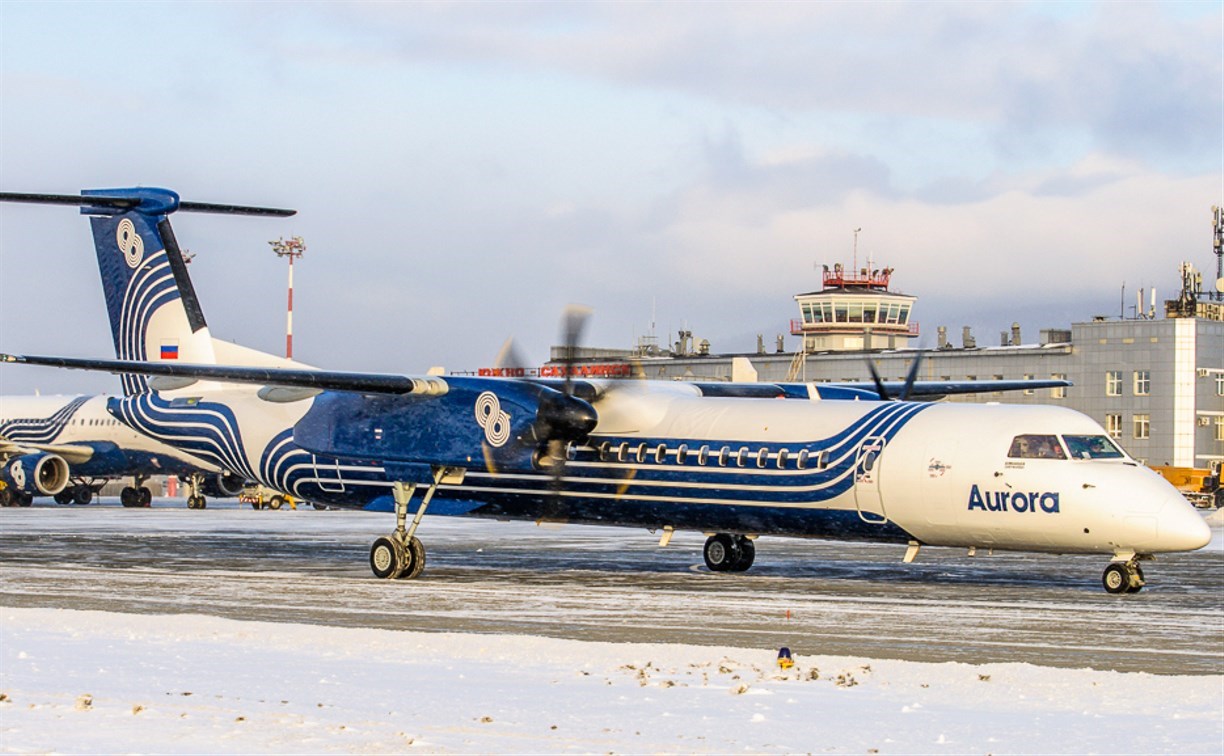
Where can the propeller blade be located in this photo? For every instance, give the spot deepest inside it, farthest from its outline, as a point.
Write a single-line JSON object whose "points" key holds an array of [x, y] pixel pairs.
{"points": [[510, 359], [911, 376], [572, 323], [879, 383]]}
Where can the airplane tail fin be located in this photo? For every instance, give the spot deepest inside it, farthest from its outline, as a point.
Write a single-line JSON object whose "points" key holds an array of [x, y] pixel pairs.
{"points": [[153, 309]]}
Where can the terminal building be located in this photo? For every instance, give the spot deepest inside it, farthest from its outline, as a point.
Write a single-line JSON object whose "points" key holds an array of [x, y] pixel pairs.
{"points": [[1156, 384]]}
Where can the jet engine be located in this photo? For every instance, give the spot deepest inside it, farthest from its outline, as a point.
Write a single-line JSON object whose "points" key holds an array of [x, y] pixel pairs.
{"points": [[39, 474], [223, 485]]}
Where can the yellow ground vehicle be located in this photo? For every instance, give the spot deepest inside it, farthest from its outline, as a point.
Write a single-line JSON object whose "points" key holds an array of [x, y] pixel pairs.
{"points": [[265, 498], [1201, 486]]}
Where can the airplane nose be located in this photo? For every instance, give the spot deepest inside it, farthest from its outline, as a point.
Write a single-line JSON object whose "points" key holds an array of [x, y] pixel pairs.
{"points": [[1182, 528]]}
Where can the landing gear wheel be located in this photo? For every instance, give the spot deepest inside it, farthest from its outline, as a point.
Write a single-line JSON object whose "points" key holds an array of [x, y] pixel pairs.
{"points": [[82, 495], [414, 560], [145, 497], [6, 498], [1116, 579], [24, 499], [747, 554], [127, 497], [721, 552], [63, 497], [1123, 577], [386, 558], [196, 502], [276, 502]]}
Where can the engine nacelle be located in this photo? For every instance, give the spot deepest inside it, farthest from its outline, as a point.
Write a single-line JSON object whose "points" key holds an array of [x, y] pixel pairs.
{"points": [[39, 474], [223, 485]]}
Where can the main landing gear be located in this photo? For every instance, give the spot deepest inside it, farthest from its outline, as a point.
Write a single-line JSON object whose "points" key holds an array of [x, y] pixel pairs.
{"points": [[81, 493], [401, 555], [724, 552], [1124, 576], [137, 494]]}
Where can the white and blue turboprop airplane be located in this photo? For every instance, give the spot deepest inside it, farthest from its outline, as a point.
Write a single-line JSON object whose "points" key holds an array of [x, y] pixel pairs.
{"points": [[732, 460], [68, 446]]}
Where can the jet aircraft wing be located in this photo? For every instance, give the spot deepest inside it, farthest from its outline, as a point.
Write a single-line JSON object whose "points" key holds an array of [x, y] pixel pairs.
{"points": [[75, 454]]}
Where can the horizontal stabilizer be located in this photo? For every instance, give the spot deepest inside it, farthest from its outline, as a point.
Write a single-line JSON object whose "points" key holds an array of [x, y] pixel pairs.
{"points": [[326, 380], [134, 201]]}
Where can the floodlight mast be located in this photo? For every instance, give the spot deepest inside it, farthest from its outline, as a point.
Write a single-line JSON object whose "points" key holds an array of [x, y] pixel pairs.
{"points": [[291, 248]]}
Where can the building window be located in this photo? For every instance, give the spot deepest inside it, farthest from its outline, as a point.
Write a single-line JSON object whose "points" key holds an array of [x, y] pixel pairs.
{"points": [[1219, 426], [1220, 384], [1028, 391], [1143, 382], [1113, 426], [1059, 392], [1113, 383], [1143, 426]]}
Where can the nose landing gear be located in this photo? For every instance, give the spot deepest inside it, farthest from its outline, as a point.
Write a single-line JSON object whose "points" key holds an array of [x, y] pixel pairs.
{"points": [[1124, 576]]}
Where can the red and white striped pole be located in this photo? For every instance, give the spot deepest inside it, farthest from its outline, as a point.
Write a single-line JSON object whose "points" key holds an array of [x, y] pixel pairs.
{"points": [[292, 248]]}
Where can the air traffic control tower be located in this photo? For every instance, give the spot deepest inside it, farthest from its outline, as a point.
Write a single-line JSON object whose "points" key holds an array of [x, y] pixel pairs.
{"points": [[853, 312]]}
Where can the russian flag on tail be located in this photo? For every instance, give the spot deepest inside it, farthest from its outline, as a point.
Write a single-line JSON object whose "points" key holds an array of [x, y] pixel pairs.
{"points": [[169, 351]]}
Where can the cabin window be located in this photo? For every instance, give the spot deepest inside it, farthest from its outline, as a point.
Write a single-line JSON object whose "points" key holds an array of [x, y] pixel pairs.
{"points": [[822, 460], [703, 456], [641, 453], [1092, 447], [762, 457], [1035, 446], [724, 454], [660, 453], [605, 452], [741, 456], [783, 454], [682, 454], [622, 454], [802, 460]]}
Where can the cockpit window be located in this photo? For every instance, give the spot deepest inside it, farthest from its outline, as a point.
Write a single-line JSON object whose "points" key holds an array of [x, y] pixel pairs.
{"points": [[1092, 447], [1036, 447]]}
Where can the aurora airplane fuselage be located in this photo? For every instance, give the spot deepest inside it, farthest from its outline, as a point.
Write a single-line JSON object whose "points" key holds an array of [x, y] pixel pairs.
{"points": [[734, 460]]}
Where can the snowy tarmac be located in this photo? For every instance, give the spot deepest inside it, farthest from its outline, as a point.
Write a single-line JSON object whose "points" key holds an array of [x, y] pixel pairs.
{"points": [[234, 631], [617, 585]]}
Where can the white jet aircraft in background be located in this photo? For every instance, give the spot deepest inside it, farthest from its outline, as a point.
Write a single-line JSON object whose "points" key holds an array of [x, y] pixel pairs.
{"points": [[67, 447]]}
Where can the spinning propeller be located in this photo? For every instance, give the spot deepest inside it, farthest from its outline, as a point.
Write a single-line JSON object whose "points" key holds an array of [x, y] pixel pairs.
{"points": [[910, 377]]}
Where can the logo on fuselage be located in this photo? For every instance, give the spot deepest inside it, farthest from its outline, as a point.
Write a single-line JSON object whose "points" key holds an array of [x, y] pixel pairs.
{"points": [[1013, 501], [130, 243], [492, 419]]}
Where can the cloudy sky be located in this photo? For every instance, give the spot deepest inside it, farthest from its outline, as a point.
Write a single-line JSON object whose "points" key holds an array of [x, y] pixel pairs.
{"points": [[464, 170]]}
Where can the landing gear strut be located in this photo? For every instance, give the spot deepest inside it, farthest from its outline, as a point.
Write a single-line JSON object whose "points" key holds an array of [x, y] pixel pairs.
{"points": [[724, 552], [1123, 577], [195, 499], [401, 555]]}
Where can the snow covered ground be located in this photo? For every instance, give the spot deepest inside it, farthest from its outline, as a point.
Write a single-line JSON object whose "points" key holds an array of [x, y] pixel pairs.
{"points": [[90, 682]]}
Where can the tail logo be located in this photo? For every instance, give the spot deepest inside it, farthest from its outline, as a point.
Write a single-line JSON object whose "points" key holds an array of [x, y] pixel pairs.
{"points": [[130, 243], [492, 419]]}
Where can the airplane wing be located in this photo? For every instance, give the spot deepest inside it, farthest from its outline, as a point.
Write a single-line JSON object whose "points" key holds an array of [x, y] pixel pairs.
{"points": [[74, 454], [322, 380], [947, 388]]}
